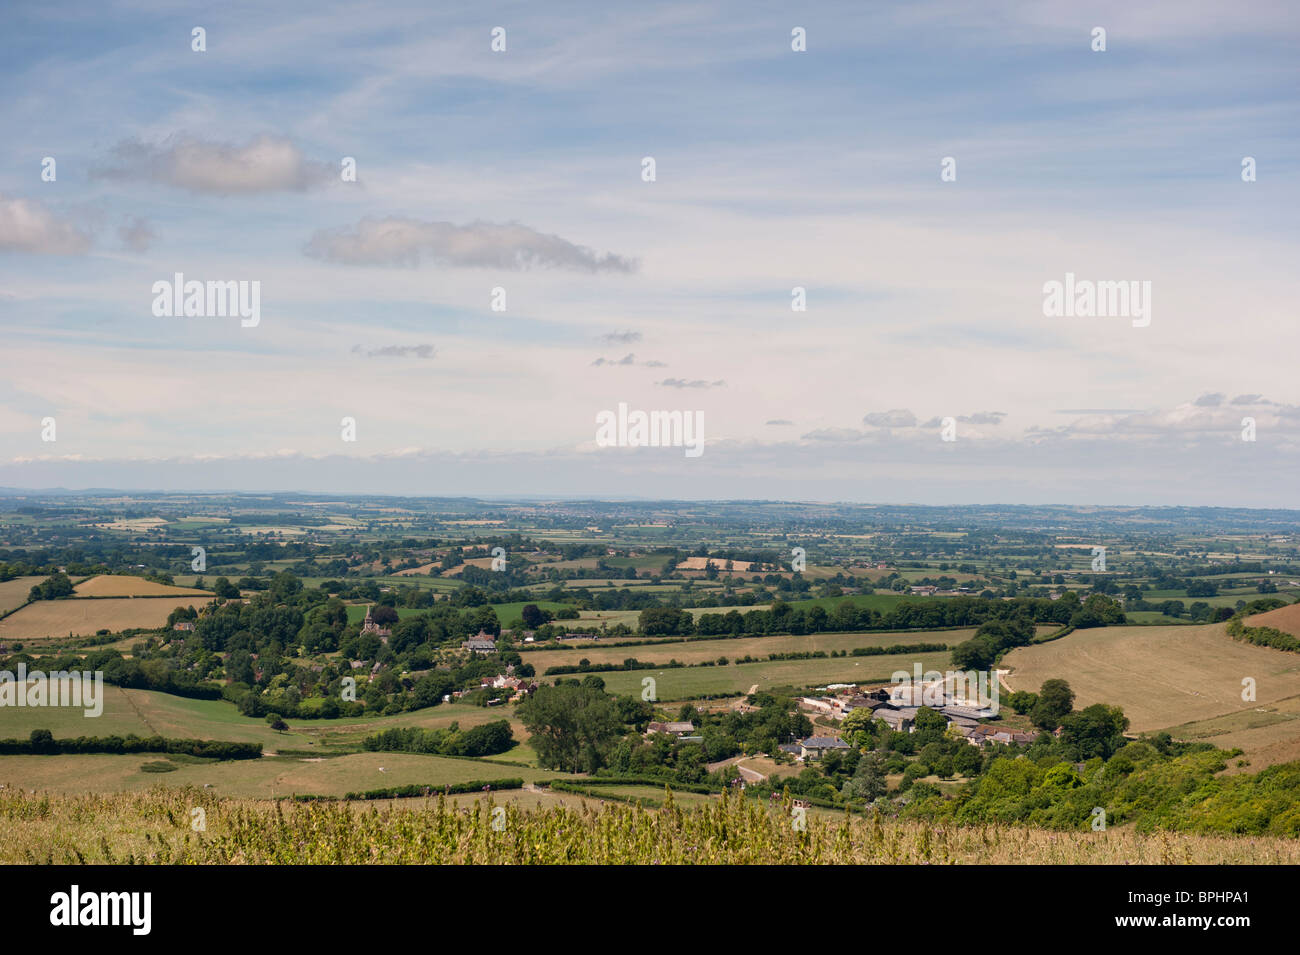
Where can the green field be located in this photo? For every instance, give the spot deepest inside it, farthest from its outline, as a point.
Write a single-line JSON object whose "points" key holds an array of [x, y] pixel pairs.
{"points": [[692, 682], [270, 776], [147, 713], [698, 651]]}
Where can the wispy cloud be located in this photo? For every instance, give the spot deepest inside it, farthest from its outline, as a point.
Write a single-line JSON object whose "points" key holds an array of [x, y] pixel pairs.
{"points": [[620, 338], [400, 241], [397, 351], [265, 164], [628, 359], [696, 383]]}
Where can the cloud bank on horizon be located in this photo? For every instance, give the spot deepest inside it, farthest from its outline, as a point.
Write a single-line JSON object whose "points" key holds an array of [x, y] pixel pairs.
{"points": [[842, 252]]}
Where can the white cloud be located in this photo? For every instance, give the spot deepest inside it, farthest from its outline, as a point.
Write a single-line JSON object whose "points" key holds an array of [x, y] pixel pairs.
{"points": [[28, 226], [265, 164], [401, 241]]}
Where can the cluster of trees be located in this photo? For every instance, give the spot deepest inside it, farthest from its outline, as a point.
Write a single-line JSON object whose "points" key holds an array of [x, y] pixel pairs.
{"points": [[991, 640], [487, 739], [1263, 636], [578, 727], [723, 735], [574, 725], [1199, 611], [849, 615], [1154, 783], [52, 588], [43, 743]]}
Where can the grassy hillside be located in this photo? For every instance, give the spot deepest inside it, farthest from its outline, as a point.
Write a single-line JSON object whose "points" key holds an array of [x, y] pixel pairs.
{"points": [[1184, 679]]}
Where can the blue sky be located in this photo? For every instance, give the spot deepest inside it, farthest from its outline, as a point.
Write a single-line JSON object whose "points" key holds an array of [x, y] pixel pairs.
{"points": [[775, 169]]}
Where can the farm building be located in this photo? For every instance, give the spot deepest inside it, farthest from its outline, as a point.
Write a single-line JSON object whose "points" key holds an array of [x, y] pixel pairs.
{"points": [[482, 642], [672, 729], [815, 747]]}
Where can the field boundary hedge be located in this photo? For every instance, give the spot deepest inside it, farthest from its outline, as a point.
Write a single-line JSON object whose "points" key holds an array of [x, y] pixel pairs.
{"points": [[450, 789], [1263, 636], [202, 748]]}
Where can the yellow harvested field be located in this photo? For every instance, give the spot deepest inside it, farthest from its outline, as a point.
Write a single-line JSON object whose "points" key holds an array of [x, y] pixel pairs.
{"points": [[1162, 677], [120, 585], [1286, 619], [483, 562], [421, 571], [134, 524], [1268, 733], [702, 563], [55, 619], [13, 593]]}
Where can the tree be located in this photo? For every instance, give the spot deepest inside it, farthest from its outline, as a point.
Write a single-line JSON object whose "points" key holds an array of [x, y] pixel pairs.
{"points": [[868, 782], [930, 726], [1055, 701], [1022, 701], [1096, 730], [52, 588], [225, 589], [977, 653], [383, 614], [857, 727], [532, 616], [572, 727], [665, 621], [1097, 611]]}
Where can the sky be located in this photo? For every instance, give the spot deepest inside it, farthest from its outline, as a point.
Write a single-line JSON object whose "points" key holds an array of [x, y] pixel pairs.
{"points": [[923, 368]]}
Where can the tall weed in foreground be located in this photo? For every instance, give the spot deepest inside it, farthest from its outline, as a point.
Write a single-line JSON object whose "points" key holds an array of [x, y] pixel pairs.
{"points": [[159, 826]]}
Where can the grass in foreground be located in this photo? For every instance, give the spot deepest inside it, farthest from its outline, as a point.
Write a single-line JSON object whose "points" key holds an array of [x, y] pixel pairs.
{"points": [[156, 827]]}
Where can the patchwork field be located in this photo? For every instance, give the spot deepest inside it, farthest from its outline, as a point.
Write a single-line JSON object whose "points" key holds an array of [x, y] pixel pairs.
{"points": [[13, 593], [697, 651], [146, 713], [736, 679], [119, 585], [268, 777], [56, 619], [1189, 678]]}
